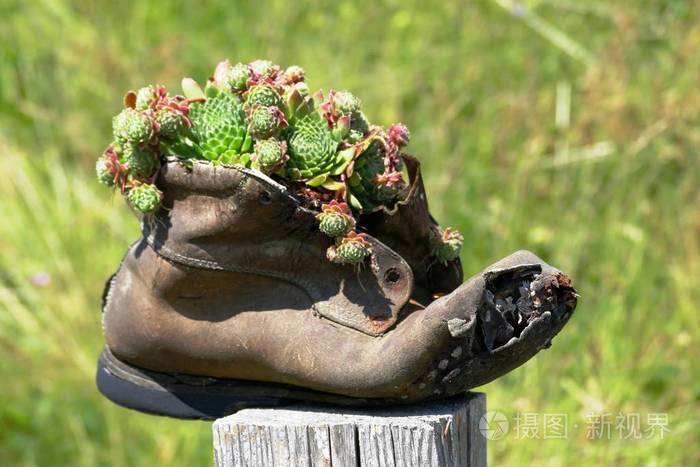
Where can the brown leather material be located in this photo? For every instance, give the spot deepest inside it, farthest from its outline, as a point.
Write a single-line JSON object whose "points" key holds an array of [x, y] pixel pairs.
{"points": [[408, 228], [231, 281], [233, 219]]}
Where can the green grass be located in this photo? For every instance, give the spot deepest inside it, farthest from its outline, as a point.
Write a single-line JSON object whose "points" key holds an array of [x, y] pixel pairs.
{"points": [[571, 130]]}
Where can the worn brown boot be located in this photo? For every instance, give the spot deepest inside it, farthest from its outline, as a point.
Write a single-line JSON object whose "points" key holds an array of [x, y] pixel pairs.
{"points": [[228, 301]]}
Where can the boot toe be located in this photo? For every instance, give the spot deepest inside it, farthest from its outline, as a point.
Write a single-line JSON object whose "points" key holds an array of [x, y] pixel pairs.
{"points": [[498, 320]]}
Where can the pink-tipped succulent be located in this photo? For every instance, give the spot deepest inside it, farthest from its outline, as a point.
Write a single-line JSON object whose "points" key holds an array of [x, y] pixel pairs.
{"points": [[263, 71], [351, 249], [110, 171], [447, 245], [338, 105], [335, 219], [399, 135]]}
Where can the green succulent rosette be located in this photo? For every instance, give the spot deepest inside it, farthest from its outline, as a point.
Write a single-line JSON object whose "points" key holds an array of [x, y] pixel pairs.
{"points": [[141, 162], [145, 198], [219, 131], [313, 148]]}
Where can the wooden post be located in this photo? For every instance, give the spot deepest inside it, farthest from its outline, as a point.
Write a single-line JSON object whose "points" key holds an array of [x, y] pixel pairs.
{"points": [[443, 433]]}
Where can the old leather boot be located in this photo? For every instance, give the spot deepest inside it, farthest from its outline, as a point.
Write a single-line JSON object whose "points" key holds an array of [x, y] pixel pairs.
{"points": [[228, 301]]}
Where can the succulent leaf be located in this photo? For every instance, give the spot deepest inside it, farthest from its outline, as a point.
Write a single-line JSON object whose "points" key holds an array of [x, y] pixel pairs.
{"points": [[191, 89]]}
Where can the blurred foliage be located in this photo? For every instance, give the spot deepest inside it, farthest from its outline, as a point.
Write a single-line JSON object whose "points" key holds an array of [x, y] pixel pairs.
{"points": [[569, 128]]}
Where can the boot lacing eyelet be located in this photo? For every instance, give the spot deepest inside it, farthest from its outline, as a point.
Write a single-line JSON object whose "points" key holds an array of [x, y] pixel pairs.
{"points": [[392, 276], [265, 197]]}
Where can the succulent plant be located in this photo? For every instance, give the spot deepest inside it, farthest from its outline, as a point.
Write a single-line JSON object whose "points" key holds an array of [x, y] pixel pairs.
{"points": [[345, 103], [105, 174], [231, 78], [364, 191], [141, 162], [256, 115], [335, 219], [109, 168], [264, 95], [132, 127], [170, 123], [219, 129], [313, 148], [294, 74], [270, 154], [302, 88], [238, 77], [265, 122], [447, 245], [352, 249], [145, 197], [145, 97], [399, 135], [264, 69]]}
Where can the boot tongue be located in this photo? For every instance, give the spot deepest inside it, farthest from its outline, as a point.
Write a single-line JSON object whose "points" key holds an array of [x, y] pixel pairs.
{"points": [[231, 219], [408, 229]]}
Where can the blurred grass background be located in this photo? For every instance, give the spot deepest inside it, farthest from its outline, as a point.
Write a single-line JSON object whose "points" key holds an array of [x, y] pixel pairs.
{"points": [[569, 128]]}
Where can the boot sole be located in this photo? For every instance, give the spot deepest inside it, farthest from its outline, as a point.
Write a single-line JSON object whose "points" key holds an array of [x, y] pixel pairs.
{"points": [[202, 398]]}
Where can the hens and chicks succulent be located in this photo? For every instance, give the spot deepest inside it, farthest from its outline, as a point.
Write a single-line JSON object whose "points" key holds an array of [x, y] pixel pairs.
{"points": [[259, 116]]}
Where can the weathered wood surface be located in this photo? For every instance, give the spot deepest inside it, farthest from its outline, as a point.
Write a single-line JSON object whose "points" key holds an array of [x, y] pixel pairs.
{"points": [[442, 433]]}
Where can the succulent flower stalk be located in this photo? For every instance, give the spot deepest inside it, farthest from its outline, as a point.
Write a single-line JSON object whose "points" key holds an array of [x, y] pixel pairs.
{"points": [[335, 219]]}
